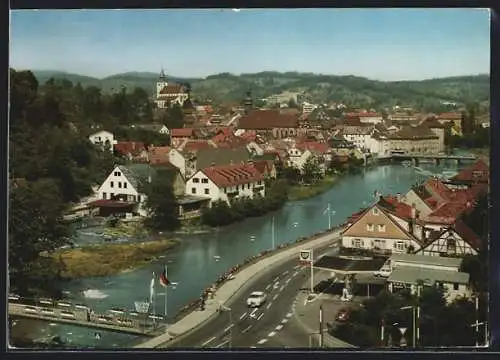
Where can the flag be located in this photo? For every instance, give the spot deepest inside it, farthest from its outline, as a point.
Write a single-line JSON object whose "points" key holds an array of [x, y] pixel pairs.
{"points": [[152, 289], [163, 278]]}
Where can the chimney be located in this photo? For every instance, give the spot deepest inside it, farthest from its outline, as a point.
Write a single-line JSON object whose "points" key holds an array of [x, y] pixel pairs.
{"points": [[398, 197], [212, 164], [413, 211]]}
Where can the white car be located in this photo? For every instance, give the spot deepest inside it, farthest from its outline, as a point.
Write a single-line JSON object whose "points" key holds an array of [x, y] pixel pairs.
{"points": [[256, 299], [384, 272]]}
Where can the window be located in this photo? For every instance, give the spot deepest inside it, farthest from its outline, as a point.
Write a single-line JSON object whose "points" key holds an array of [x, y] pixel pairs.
{"points": [[193, 190], [117, 173], [111, 196], [369, 227], [381, 227], [400, 245], [259, 182], [204, 181], [455, 286], [104, 195], [477, 174], [357, 243], [111, 184], [207, 191], [225, 190], [375, 211], [451, 245], [196, 180], [380, 244], [237, 187], [119, 184], [248, 186], [124, 185], [138, 198]]}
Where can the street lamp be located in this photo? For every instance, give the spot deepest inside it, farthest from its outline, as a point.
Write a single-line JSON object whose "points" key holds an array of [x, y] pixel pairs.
{"points": [[230, 327], [414, 322]]}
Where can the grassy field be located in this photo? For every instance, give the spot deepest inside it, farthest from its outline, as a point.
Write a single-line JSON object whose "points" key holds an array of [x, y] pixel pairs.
{"points": [[301, 192], [109, 259]]}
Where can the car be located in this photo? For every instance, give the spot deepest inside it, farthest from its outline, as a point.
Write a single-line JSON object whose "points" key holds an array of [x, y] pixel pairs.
{"points": [[343, 315], [384, 272], [256, 299]]}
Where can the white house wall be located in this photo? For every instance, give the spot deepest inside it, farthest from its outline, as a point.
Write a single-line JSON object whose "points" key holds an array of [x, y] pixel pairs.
{"points": [[176, 159], [369, 243], [101, 137], [412, 198]]}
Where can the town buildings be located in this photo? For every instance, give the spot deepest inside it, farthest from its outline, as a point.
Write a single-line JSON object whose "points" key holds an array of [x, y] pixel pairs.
{"points": [[168, 94], [104, 139]]}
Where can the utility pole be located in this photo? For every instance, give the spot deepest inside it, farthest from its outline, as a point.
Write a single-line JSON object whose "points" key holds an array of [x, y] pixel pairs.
{"points": [[321, 336], [312, 272]]}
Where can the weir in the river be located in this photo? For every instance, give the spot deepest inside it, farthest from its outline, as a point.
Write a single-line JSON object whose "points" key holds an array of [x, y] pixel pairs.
{"points": [[199, 259]]}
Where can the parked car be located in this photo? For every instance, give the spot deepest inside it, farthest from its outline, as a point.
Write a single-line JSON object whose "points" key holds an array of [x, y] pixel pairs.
{"points": [[383, 272], [343, 315], [256, 299]]}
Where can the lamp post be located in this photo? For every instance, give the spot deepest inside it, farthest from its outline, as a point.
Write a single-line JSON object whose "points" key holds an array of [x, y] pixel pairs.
{"points": [[414, 322]]}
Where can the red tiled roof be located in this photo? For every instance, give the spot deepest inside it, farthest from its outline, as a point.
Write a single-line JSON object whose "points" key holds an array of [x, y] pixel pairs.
{"points": [[362, 114], [478, 172], [195, 145], [159, 154], [401, 210], [263, 166], [447, 213], [172, 89], [450, 116], [267, 120], [249, 135], [129, 147], [231, 175], [437, 189], [182, 132]]}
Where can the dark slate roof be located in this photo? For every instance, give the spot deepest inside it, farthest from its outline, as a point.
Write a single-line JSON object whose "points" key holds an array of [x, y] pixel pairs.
{"points": [[136, 173], [221, 156]]}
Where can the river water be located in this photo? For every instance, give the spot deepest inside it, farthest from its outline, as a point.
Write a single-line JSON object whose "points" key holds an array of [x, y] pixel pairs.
{"points": [[200, 259]]}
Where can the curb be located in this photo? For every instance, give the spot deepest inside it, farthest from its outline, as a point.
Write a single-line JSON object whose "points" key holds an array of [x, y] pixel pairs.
{"points": [[247, 284]]}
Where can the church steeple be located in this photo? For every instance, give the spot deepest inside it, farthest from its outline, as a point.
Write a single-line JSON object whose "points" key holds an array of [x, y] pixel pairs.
{"points": [[248, 102], [163, 77]]}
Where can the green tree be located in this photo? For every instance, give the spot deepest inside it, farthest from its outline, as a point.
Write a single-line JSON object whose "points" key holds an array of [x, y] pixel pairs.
{"points": [[161, 202], [311, 171], [174, 117], [292, 103]]}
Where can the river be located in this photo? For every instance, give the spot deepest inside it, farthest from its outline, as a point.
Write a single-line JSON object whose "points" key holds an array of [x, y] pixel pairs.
{"points": [[201, 258]]}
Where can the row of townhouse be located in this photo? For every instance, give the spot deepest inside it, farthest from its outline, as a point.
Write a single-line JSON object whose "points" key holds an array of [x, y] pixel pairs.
{"points": [[424, 221]]}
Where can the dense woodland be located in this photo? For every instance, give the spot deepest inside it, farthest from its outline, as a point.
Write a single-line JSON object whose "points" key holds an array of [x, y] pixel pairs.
{"points": [[426, 95]]}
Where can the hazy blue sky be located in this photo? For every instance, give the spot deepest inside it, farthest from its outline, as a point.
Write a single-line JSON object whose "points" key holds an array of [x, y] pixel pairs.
{"points": [[380, 44]]}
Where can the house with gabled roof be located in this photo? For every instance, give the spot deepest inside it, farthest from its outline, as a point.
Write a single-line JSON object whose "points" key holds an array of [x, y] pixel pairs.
{"points": [[227, 182], [376, 229], [103, 139], [477, 173]]}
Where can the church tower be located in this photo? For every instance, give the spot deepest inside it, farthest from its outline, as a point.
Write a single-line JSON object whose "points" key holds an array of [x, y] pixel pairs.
{"points": [[161, 83], [248, 103]]}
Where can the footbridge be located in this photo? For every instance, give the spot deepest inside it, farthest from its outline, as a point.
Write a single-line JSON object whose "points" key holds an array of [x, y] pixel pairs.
{"points": [[114, 320]]}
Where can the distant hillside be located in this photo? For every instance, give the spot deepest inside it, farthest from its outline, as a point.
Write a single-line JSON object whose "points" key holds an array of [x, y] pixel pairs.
{"points": [[350, 90]]}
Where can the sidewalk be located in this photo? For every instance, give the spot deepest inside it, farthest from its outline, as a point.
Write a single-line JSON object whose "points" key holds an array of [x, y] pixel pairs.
{"points": [[242, 280], [306, 314]]}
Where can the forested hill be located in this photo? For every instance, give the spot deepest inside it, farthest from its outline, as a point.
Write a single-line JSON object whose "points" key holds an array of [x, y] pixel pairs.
{"points": [[350, 90]]}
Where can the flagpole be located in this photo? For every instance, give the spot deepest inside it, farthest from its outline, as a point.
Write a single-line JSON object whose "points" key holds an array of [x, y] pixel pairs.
{"points": [[166, 291], [329, 218], [152, 297], [272, 235]]}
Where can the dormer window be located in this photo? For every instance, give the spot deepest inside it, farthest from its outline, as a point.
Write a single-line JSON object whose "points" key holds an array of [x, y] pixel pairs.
{"points": [[477, 174], [375, 211], [369, 227]]}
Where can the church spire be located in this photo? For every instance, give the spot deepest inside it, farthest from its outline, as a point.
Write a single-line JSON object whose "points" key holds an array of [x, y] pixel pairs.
{"points": [[163, 77]]}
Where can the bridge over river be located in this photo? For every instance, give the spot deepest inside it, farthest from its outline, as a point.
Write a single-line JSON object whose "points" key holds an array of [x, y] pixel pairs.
{"points": [[114, 320], [437, 158]]}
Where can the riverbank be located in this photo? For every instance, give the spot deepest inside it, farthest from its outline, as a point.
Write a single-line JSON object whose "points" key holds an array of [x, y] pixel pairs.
{"points": [[110, 259], [302, 192]]}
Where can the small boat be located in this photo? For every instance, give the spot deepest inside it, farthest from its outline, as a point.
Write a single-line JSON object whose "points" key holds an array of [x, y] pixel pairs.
{"points": [[406, 163], [216, 257]]}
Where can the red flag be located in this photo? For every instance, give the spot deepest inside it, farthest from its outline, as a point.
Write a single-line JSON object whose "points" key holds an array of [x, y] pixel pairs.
{"points": [[163, 278]]}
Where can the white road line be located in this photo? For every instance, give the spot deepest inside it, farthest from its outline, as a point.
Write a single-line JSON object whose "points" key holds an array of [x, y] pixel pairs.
{"points": [[285, 273], [271, 334], [295, 273], [263, 341], [268, 306], [243, 315], [289, 315], [208, 341], [281, 288], [268, 286], [287, 281], [275, 297], [246, 329], [260, 316], [276, 284], [252, 314], [284, 321], [228, 328], [222, 344], [279, 327], [296, 267]]}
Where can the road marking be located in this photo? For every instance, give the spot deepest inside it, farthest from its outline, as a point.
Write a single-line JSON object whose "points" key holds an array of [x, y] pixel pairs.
{"points": [[268, 306], [208, 341], [252, 314], [246, 329], [287, 281], [279, 327], [295, 273], [296, 267], [229, 328], [260, 316], [275, 297], [263, 341], [285, 273], [276, 284], [222, 344], [243, 315], [289, 315], [271, 334], [268, 286], [284, 321], [281, 288]]}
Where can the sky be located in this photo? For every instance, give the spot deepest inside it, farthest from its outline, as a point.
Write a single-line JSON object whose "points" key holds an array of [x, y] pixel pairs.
{"points": [[381, 44]]}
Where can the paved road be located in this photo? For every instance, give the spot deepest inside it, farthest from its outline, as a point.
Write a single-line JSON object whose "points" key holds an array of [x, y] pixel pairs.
{"points": [[256, 327]]}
